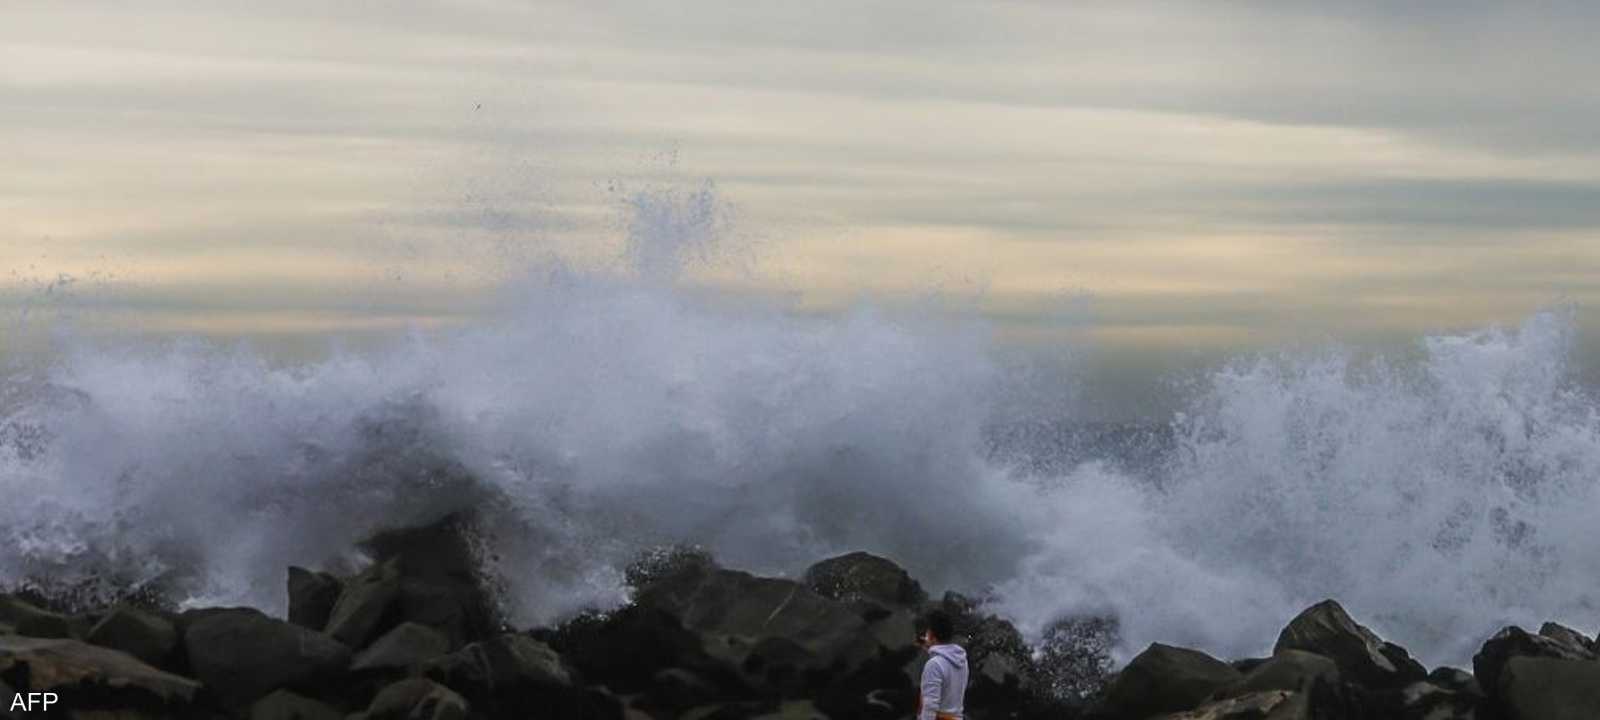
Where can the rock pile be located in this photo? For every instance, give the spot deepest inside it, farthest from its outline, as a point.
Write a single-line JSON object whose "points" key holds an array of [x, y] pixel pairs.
{"points": [[415, 636]]}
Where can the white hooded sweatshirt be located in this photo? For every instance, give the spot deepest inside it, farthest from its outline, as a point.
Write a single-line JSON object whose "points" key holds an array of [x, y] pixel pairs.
{"points": [[944, 682]]}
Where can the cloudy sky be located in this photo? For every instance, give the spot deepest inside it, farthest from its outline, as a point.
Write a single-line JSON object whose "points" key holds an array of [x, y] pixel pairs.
{"points": [[1178, 175]]}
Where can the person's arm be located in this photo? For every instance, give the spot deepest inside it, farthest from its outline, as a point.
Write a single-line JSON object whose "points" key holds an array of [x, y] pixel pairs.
{"points": [[932, 689]]}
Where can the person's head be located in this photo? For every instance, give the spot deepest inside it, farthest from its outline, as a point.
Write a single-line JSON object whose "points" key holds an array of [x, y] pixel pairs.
{"points": [[938, 628]]}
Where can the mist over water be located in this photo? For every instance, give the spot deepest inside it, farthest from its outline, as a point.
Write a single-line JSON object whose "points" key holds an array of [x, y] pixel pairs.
{"points": [[597, 413]]}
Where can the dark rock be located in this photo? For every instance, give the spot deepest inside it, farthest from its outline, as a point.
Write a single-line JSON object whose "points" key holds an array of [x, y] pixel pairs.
{"points": [[417, 699], [25, 618], [1513, 642], [1290, 670], [1557, 631], [242, 654], [1362, 657], [511, 674], [783, 665], [861, 576], [87, 676], [1544, 688], [675, 690], [363, 605], [1425, 700], [623, 650], [1266, 705], [1165, 679], [443, 585], [140, 633], [285, 705], [407, 645], [1456, 680], [312, 596]]}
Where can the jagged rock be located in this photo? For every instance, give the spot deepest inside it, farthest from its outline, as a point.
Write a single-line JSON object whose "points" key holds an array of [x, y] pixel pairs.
{"points": [[1557, 631], [25, 618], [1455, 680], [862, 576], [1428, 701], [407, 645], [285, 705], [1165, 679], [441, 585], [358, 616], [1513, 641], [1290, 670], [623, 650], [241, 654], [674, 690], [89, 677], [1544, 688], [417, 699], [140, 633], [1267, 705], [312, 596], [1363, 657], [511, 674]]}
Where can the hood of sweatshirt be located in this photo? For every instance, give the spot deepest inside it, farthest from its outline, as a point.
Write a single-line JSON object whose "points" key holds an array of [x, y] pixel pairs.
{"points": [[952, 653]]}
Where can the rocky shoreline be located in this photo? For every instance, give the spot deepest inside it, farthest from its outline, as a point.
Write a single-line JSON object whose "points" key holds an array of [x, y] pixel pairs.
{"points": [[416, 636]]}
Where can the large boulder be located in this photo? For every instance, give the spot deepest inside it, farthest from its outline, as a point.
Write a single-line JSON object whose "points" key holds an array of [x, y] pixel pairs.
{"points": [[286, 705], [88, 677], [1513, 641], [141, 633], [358, 616], [442, 582], [623, 650], [1362, 657], [1290, 670], [1265, 705], [862, 576], [1165, 679], [1544, 688], [242, 654], [511, 674], [417, 699], [408, 645], [312, 596], [25, 618], [1557, 631]]}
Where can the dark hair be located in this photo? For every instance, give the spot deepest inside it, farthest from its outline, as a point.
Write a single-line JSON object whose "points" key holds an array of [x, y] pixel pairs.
{"points": [[939, 623]]}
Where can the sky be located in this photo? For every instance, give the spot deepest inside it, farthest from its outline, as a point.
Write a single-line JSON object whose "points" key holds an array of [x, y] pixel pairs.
{"points": [[1152, 178]]}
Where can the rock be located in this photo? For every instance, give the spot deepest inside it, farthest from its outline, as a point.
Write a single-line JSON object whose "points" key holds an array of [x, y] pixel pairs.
{"points": [[1267, 705], [675, 690], [1362, 657], [442, 584], [1544, 688], [24, 618], [623, 650], [140, 633], [407, 645], [1455, 680], [511, 674], [88, 676], [241, 654], [1427, 701], [312, 596], [417, 699], [861, 576], [1512, 642], [1556, 631], [285, 705], [1290, 670], [358, 616], [1166, 679]]}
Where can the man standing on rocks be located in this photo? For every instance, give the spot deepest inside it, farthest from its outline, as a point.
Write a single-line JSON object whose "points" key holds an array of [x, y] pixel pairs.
{"points": [[944, 677]]}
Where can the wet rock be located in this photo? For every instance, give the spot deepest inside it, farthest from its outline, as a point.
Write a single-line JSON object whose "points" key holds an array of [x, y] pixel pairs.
{"points": [[861, 576], [1165, 679], [1428, 701], [25, 618], [1290, 670], [623, 650], [417, 699], [312, 596], [363, 605], [241, 654], [1513, 642], [442, 584], [675, 690], [140, 633], [285, 705], [511, 674], [1455, 680], [1557, 631], [1267, 705], [407, 645], [1544, 688], [89, 677], [1362, 657]]}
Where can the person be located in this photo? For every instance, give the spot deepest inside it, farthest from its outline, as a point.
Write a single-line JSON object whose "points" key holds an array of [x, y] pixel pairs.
{"points": [[944, 676]]}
